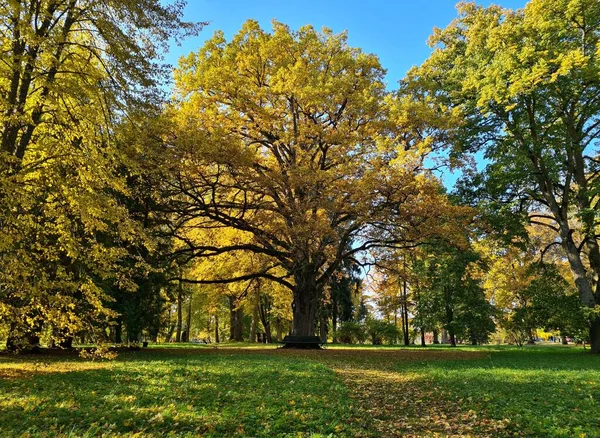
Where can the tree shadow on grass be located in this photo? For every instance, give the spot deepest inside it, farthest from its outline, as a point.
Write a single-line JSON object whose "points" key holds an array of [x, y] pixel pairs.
{"points": [[155, 395]]}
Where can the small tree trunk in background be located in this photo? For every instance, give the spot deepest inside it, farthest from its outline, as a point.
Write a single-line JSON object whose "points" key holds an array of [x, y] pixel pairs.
{"points": [[231, 317], [423, 344], [404, 309], [66, 342], [170, 327], [236, 315], [396, 324], [188, 322], [217, 328], [436, 336], [279, 328], [119, 332], [264, 309], [179, 312], [238, 330], [254, 322], [334, 318], [323, 328], [452, 337], [563, 338], [444, 336]]}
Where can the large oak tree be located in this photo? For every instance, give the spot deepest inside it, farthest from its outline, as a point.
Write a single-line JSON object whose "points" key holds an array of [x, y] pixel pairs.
{"points": [[290, 137]]}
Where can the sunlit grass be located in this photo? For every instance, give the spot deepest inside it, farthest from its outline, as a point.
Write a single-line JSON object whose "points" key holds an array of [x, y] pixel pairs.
{"points": [[155, 395], [541, 391], [231, 390]]}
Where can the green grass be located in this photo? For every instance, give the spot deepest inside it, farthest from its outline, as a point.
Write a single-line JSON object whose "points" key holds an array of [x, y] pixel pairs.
{"points": [[202, 391], [162, 394], [536, 391]]}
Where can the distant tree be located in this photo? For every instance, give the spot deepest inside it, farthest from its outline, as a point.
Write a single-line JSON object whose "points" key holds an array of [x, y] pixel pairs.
{"points": [[451, 295]]}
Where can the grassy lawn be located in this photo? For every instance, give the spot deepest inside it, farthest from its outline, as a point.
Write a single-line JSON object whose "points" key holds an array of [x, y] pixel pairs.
{"points": [[170, 393], [202, 391], [531, 392]]}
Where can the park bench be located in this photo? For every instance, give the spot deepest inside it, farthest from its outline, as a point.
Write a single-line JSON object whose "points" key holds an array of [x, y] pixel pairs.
{"points": [[303, 342]]}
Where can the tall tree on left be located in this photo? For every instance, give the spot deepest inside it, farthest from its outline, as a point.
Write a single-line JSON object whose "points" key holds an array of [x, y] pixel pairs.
{"points": [[70, 72]]}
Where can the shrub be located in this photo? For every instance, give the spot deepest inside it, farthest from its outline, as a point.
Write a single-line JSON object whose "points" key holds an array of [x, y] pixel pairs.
{"points": [[380, 331], [351, 332]]}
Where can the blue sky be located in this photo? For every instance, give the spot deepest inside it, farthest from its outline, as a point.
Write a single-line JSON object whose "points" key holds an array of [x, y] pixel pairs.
{"points": [[395, 30]]}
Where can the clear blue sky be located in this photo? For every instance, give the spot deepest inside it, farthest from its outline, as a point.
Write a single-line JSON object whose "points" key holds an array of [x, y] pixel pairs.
{"points": [[395, 30]]}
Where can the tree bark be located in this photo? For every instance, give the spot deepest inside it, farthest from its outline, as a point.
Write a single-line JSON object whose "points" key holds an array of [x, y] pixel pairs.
{"points": [[264, 310], [217, 328], [436, 336], [404, 310], [334, 318], [305, 303], [188, 322], [119, 332], [423, 344], [254, 323], [323, 328], [179, 312], [231, 318], [584, 287], [452, 337], [279, 329]]}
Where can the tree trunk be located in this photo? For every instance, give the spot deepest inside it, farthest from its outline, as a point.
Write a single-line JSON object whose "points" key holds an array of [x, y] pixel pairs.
{"points": [[254, 322], [170, 327], [404, 310], [423, 344], [452, 337], [323, 328], [265, 317], [586, 293], [396, 324], [304, 305], [279, 328], [188, 322], [436, 336], [334, 317], [119, 332], [231, 318], [238, 331], [179, 312], [66, 342], [217, 328], [563, 338], [236, 321]]}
